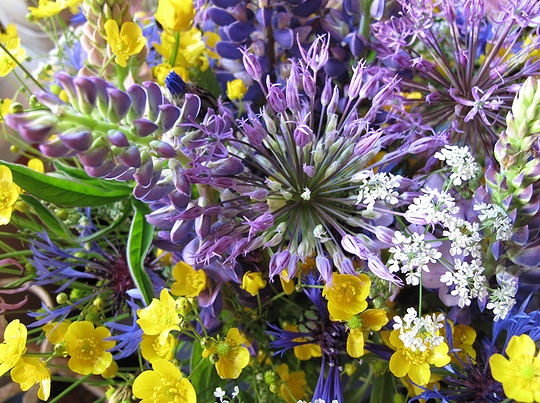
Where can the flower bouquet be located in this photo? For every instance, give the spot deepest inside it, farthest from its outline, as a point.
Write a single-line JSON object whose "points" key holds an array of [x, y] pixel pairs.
{"points": [[273, 201]]}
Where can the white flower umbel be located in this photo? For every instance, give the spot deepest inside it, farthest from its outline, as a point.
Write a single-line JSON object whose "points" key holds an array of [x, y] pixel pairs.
{"points": [[468, 280], [463, 235], [431, 207], [420, 334], [460, 161], [496, 218], [411, 255], [502, 299], [376, 186]]}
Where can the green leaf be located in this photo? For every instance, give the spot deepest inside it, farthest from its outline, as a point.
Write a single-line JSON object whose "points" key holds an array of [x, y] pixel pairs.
{"points": [[207, 80], [384, 388], [49, 219], [140, 237], [203, 376], [68, 191]]}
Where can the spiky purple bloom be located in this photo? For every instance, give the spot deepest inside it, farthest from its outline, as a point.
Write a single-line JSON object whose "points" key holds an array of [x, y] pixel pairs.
{"points": [[472, 62]]}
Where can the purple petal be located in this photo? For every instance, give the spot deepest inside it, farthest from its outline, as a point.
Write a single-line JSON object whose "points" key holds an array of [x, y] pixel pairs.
{"points": [[144, 127], [154, 99], [221, 17], [67, 84], [168, 116], [118, 139], [119, 105], [226, 3], [130, 156], [191, 108], [100, 171], [307, 8], [284, 37], [240, 31], [138, 100], [86, 94], [95, 157], [228, 50], [55, 149], [78, 141]]}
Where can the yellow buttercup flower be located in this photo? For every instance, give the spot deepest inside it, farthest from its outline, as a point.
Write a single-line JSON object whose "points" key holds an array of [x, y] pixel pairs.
{"points": [[360, 325], [56, 332], [287, 283], [347, 295], [7, 64], [176, 15], [163, 384], [5, 108], [30, 371], [152, 350], [111, 371], [189, 282], [14, 345], [232, 356], [48, 8], [124, 42], [236, 89], [293, 384], [252, 282], [306, 351], [87, 348], [11, 33], [160, 317], [8, 194], [463, 338], [520, 373]]}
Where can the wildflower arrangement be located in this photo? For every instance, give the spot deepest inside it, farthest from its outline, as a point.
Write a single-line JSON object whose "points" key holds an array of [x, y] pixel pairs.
{"points": [[293, 201]]}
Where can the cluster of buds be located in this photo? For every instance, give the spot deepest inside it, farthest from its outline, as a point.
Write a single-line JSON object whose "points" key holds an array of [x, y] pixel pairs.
{"points": [[115, 134], [93, 41]]}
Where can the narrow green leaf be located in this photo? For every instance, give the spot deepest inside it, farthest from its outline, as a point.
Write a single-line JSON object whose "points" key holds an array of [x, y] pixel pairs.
{"points": [[49, 219], [207, 80], [384, 388], [65, 190], [140, 238]]}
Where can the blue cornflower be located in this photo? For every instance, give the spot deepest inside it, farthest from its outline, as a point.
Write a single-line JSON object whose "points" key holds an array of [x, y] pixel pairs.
{"points": [[128, 337]]}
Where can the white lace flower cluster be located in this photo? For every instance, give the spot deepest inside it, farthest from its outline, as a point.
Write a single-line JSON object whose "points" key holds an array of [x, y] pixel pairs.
{"points": [[376, 186], [468, 281], [460, 161], [417, 333], [495, 217], [432, 207], [502, 299], [411, 255], [222, 395]]}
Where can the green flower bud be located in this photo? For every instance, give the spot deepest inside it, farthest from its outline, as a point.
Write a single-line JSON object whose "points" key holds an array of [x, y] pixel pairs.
{"points": [[62, 298]]}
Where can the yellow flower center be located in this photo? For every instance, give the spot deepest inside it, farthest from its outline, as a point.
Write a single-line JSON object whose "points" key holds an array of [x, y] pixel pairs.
{"points": [[345, 292], [416, 357], [528, 372], [86, 349], [223, 349]]}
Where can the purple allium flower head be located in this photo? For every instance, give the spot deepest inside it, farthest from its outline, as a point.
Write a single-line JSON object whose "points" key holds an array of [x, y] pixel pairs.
{"points": [[473, 56]]}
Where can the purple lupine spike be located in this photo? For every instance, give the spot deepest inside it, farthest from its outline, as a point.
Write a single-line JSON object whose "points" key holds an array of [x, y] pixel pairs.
{"points": [[284, 37], [163, 149], [100, 171], [35, 126], [168, 116], [55, 149], [179, 200], [524, 195], [119, 105], [130, 156], [138, 101], [144, 127], [226, 3], [154, 99], [307, 8], [86, 94], [79, 141], [156, 175], [96, 155], [66, 81], [118, 138]]}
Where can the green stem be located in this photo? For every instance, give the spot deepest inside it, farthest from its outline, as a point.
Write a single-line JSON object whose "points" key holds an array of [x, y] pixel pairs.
{"points": [[174, 53], [69, 388], [30, 76]]}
